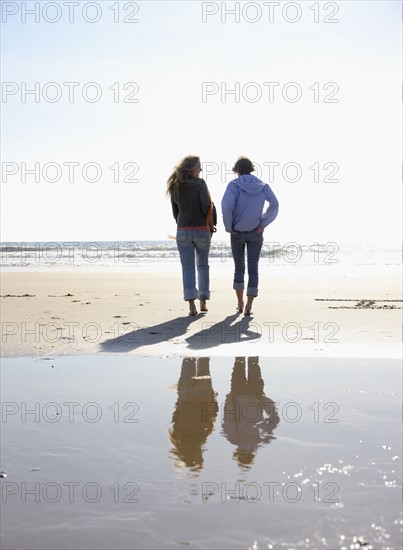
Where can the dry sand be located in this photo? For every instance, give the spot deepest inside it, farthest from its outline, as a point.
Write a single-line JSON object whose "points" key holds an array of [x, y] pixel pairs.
{"points": [[144, 314]]}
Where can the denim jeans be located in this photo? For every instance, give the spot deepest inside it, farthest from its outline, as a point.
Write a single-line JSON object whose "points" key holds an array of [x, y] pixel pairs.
{"points": [[253, 242], [194, 245]]}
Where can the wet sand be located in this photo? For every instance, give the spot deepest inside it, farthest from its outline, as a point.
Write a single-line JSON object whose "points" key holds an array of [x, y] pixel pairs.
{"points": [[297, 313], [240, 452]]}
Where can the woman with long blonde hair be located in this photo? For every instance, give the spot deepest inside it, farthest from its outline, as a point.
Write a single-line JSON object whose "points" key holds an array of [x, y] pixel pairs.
{"points": [[196, 218]]}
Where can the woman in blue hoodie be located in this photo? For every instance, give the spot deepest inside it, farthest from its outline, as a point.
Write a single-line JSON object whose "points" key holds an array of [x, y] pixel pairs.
{"points": [[242, 208]]}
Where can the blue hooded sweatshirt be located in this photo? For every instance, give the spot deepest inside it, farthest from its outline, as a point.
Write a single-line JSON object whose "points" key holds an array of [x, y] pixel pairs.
{"points": [[243, 202]]}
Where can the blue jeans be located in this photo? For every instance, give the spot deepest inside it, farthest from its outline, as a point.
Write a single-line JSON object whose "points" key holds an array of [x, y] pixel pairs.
{"points": [[253, 242], [194, 245]]}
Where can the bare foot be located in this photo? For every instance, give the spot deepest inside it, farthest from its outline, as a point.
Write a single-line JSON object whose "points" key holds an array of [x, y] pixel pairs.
{"points": [[192, 310], [239, 295], [203, 306], [248, 307]]}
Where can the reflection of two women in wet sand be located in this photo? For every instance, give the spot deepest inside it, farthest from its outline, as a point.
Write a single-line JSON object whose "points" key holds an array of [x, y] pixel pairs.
{"points": [[248, 417]]}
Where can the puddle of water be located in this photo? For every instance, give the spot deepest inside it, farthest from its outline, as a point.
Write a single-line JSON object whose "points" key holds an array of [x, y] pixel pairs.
{"points": [[128, 452]]}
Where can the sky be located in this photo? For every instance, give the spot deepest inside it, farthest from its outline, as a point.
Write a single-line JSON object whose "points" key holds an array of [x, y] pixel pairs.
{"points": [[190, 77]]}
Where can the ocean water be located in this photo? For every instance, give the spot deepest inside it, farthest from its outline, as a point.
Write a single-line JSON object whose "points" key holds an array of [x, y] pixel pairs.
{"points": [[124, 452], [151, 255]]}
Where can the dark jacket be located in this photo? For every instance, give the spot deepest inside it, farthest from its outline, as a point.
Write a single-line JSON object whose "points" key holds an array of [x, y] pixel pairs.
{"points": [[191, 204]]}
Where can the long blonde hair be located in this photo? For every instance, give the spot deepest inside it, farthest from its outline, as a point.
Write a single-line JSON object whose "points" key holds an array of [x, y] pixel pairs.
{"points": [[183, 173]]}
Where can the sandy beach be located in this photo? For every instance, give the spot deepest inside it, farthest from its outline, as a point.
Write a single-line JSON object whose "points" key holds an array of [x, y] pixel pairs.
{"points": [[144, 314], [120, 412]]}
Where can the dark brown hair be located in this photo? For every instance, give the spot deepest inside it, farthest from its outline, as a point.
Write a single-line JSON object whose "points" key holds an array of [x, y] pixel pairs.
{"points": [[243, 166], [183, 173]]}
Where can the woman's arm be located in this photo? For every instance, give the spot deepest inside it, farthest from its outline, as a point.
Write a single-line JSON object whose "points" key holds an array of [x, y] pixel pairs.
{"points": [[271, 213], [175, 208], [214, 215], [204, 198], [227, 206]]}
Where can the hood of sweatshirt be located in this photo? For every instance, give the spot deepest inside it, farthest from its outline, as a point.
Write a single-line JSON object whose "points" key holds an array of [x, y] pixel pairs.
{"points": [[250, 184]]}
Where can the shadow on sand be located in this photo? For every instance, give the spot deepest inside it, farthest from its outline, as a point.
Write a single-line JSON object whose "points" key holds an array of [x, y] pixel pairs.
{"points": [[222, 332], [211, 334], [136, 337]]}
